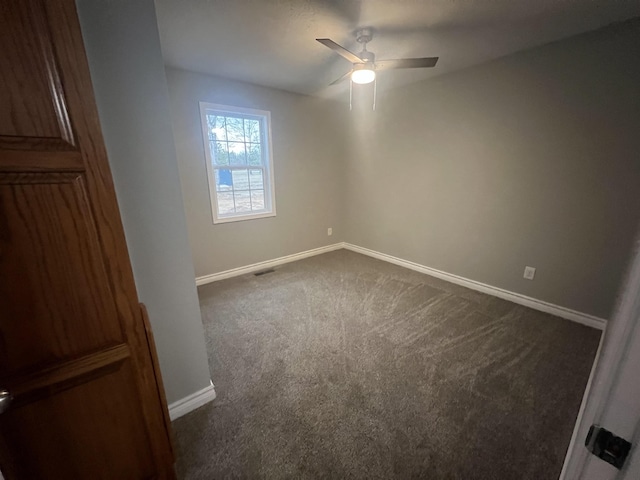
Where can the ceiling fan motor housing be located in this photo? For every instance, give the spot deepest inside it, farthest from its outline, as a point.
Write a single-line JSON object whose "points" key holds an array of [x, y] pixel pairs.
{"points": [[367, 56]]}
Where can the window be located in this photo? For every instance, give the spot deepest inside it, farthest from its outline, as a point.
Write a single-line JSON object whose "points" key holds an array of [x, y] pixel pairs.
{"points": [[239, 166]]}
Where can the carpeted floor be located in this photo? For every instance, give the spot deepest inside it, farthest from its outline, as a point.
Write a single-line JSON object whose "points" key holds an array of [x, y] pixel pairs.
{"points": [[342, 366]]}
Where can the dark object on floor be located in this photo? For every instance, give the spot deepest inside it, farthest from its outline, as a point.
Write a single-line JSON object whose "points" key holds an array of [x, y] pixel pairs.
{"points": [[342, 366]]}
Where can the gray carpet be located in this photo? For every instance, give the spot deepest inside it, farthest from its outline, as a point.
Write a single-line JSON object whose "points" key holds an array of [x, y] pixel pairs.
{"points": [[342, 366]]}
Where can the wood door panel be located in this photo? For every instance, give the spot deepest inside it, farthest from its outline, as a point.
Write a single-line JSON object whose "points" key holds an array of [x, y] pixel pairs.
{"points": [[74, 348], [105, 438], [67, 374], [34, 113], [26, 161], [54, 301]]}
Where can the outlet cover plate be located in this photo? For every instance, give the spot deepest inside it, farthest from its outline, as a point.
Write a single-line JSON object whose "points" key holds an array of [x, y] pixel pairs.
{"points": [[529, 273]]}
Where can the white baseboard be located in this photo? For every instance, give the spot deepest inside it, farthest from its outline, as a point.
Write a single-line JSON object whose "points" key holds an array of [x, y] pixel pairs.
{"points": [[191, 402], [562, 312], [533, 303], [235, 272], [574, 442]]}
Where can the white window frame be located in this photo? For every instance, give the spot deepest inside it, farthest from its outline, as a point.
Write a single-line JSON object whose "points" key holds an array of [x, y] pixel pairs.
{"points": [[267, 159]]}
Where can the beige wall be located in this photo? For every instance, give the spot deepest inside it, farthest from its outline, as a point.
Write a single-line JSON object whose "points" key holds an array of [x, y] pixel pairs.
{"points": [[308, 157], [127, 71], [533, 159]]}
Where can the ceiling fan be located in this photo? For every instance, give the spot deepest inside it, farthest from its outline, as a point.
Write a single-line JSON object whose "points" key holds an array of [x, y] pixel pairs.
{"points": [[364, 65]]}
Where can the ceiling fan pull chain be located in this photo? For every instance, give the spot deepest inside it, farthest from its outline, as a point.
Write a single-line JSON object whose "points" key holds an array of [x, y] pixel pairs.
{"points": [[350, 94], [375, 91]]}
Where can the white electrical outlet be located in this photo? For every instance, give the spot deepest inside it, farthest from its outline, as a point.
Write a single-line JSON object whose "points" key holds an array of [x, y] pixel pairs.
{"points": [[529, 273], [329, 231]]}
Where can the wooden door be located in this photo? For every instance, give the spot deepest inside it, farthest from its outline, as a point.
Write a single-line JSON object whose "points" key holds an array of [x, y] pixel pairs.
{"points": [[74, 351]]}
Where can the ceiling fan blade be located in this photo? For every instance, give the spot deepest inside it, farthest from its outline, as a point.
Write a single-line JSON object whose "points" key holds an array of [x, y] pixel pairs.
{"points": [[342, 78], [407, 63], [340, 50]]}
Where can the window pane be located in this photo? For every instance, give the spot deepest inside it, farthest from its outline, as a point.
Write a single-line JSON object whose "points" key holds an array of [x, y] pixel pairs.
{"points": [[243, 201], [257, 199], [225, 203], [224, 180], [216, 127], [255, 179], [253, 154], [219, 153], [237, 155], [240, 179], [235, 129], [252, 130], [211, 125]]}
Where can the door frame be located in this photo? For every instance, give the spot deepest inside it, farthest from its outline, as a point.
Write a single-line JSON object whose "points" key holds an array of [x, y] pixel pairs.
{"points": [[606, 369]]}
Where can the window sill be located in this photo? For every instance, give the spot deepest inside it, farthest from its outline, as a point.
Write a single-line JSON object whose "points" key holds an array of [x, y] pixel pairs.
{"points": [[241, 218]]}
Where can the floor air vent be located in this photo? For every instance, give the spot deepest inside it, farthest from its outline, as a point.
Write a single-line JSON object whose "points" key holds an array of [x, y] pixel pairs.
{"points": [[263, 272]]}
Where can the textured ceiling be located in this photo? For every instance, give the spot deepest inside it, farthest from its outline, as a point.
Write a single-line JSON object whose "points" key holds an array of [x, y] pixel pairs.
{"points": [[272, 42]]}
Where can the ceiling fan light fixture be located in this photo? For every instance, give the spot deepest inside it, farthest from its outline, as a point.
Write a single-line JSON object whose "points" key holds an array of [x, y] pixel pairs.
{"points": [[363, 74]]}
